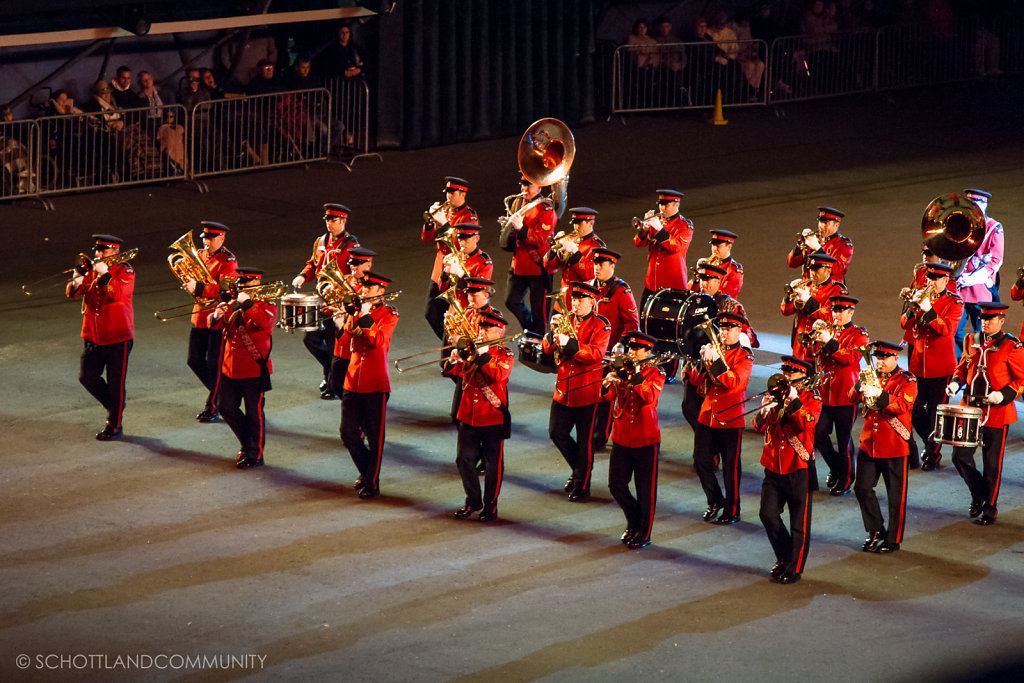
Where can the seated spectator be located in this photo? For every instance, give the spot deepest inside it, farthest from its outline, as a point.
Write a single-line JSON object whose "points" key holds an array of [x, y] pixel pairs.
{"points": [[265, 82], [121, 90], [171, 136], [672, 58], [192, 91], [66, 142], [149, 96], [301, 76], [644, 52], [14, 156], [749, 54], [209, 83], [728, 71]]}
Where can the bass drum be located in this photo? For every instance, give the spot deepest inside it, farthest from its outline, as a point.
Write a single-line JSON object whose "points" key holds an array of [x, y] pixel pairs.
{"points": [[672, 316]]}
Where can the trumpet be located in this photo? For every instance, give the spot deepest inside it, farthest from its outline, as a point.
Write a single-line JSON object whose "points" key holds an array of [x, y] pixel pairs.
{"points": [[462, 344], [797, 286], [84, 262], [445, 207], [811, 336], [645, 222], [914, 297], [557, 248], [801, 240]]}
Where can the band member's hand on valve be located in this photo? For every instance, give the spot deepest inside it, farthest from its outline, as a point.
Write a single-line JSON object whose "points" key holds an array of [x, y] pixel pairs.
{"points": [[952, 388]]}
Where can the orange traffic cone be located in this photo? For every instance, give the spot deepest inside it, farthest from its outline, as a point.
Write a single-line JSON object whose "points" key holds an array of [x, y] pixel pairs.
{"points": [[719, 118]]}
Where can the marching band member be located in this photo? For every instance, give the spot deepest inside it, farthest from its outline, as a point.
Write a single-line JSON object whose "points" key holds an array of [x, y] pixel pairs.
{"points": [[108, 328], [837, 351], [245, 371], [787, 422], [334, 245], [991, 371], [204, 344], [721, 256], [484, 421], [978, 281], [808, 300], [726, 369], [530, 233], [1017, 291], [477, 291], [437, 225], [636, 437], [578, 339], [573, 253], [931, 321], [917, 281], [825, 240], [470, 262], [883, 447], [367, 386], [618, 306], [360, 261], [667, 235]]}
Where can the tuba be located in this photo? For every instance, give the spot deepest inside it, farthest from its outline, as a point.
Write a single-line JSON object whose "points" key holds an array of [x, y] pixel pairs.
{"points": [[545, 155], [953, 227], [186, 263]]}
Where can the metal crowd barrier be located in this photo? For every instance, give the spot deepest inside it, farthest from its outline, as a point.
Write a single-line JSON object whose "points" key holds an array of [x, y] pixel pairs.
{"points": [[801, 68], [350, 107], [914, 54], [675, 76], [239, 134]]}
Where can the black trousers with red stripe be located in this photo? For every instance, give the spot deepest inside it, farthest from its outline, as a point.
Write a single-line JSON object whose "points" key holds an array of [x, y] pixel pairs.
{"points": [[787, 490], [578, 452], [839, 460], [113, 359], [363, 414], [250, 426], [476, 444], [894, 473], [984, 486], [640, 465], [204, 351], [709, 444]]}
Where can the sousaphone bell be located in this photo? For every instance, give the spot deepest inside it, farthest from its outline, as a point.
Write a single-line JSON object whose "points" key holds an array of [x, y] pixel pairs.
{"points": [[953, 227]]}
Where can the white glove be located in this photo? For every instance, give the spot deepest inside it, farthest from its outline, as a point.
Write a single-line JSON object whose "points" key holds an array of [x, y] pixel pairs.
{"points": [[298, 282], [952, 388], [339, 317], [905, 293], [812, 242], [189, 286], [792, 393], [803, 295], [100, 267], [482, 349], [516, 221], [555, 319], [364, 308], [568, 246], [978, 277], [745, 340], [243, 297], [823, 335], [562, 339], [709, 353], [434, 207], [219, 312], [439, 217], [655, 224], [994, 398], [869, 391], [926, 304], [77, 281], [453, 267]]}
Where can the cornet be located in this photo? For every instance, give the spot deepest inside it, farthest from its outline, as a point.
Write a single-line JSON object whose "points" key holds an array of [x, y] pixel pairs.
{"points": [[445, 207], [801, 240], [797, 287], [811, 336]]}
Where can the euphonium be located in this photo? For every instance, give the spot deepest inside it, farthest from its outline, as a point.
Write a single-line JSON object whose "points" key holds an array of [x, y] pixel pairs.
{"points": [[333, 287], [869, 376], [712, 334], [456, 322], [186, 263]]}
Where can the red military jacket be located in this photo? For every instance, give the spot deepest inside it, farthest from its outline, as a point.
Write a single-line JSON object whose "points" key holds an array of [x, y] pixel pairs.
{"points": [[532, 240], [327, 249], [221, 264], [255, 319], [1004, 371], [618, 306], [431, 231], [815, 308], [107, 313], [478, 264], [878, 438], [797, 419], [578, 382], [841, 359], [731, 283], [932, 335], [726, 382], [920, 279], [343, 345], [490, 370], [370, 339], [666, 257], [578, 267], [634, 408], [836, 246], [1017, 294]]}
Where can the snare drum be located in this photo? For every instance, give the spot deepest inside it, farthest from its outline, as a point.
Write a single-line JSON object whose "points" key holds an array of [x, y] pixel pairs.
{"points": [[300, 312], [958, 425], [531, 355]]}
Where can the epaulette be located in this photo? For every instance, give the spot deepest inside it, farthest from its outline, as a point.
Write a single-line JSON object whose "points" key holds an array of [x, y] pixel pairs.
{"points": [[228, 255], [392, 309], [607, 323], [739, 266]]}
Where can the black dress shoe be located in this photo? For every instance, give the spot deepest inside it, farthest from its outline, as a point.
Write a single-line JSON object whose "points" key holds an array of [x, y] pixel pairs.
{"points": [[358, 484], [874, 538], [248, 463], [570, 483], [837, 491], [323, 385], [885, 547], [488, 516], [636, 543], [830, 481], [731, 519], [976, 508], [777, 569], [579, 496], [626, 536], [711, 512], [109, 433], [788, 578], [985, 520], [207, 415], [328, 395], [368, 492], [465, 511]]}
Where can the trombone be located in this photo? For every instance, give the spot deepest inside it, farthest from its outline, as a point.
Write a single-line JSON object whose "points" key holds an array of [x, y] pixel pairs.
{"points": [[460, 345], [808, 382], [84, 261]]}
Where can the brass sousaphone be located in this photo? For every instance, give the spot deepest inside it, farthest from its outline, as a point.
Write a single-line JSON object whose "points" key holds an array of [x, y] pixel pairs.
{"points": [[953, 227], [545, 154]]}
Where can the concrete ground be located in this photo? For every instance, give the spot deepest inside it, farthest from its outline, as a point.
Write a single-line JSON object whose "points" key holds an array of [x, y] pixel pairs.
{"points": [[157, 549]]}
